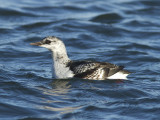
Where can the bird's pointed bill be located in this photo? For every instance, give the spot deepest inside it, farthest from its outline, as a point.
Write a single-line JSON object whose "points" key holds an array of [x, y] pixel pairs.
{"points": [[36, 43]]}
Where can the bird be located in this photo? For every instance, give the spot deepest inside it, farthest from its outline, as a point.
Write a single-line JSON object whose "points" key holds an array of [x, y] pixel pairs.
{"points": [[64, 67]]}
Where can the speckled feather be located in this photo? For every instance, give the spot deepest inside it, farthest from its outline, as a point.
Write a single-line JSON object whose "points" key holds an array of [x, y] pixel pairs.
{"points": [[93, 70]]}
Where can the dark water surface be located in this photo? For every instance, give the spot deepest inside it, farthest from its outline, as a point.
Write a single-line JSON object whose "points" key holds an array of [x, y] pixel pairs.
{"points": [[123, 32]]}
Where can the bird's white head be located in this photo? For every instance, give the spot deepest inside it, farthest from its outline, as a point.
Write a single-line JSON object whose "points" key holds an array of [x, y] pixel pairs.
{"points": [[52, 43]]}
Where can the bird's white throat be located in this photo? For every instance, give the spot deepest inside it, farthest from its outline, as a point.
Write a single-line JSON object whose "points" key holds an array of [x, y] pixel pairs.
{"points": [[60, 60]]}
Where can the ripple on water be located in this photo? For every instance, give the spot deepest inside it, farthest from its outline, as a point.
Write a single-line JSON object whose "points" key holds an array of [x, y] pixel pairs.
{"points": [[108, 18], [13, 13]]}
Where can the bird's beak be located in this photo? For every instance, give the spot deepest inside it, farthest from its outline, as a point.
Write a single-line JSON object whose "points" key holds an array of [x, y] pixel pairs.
{"points": [[36, 43]]}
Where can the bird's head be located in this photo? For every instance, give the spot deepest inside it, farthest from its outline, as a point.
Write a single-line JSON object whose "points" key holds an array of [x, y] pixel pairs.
{"points": [[52, 43]]}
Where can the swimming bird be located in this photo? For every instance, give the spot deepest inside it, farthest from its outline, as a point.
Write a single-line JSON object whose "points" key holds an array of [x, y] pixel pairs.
{"points": [[63, 67]]}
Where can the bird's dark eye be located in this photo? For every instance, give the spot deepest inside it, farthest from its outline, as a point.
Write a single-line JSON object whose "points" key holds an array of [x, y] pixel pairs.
{"points": [[47, 42]]}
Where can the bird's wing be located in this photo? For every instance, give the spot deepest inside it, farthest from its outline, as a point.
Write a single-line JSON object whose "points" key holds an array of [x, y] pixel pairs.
{"points": [[79, 67], [82, 68], [110, 69]]}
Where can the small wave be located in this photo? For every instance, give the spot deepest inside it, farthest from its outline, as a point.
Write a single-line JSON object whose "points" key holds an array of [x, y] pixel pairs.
{"points": [[151, 3], [35, 25], [107, 18], [138, 46], [14, 13], [17, 111]]}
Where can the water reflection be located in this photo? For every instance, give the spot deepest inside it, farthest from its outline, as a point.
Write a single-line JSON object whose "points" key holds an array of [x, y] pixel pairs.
{"points": [[63, 110], [57, 98], [62, 94], [60, 84], [59, 87]]}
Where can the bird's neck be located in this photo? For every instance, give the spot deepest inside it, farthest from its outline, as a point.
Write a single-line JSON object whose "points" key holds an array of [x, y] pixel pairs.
{"points": [[60, 61], [60, 57]]}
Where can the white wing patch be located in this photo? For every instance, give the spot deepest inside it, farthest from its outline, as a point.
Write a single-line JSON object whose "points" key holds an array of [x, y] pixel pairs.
{"points": [[118, 75]]}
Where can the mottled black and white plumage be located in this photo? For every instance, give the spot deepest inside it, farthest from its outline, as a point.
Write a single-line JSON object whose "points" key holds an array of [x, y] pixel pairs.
{"points": [[63, 67]]}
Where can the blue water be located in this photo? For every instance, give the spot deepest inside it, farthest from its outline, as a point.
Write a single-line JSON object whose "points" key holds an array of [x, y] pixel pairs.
{"points": [[123, 32]]}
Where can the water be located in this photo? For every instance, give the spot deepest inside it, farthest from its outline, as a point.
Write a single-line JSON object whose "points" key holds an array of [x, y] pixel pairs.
{"points": [[123, 32]]}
